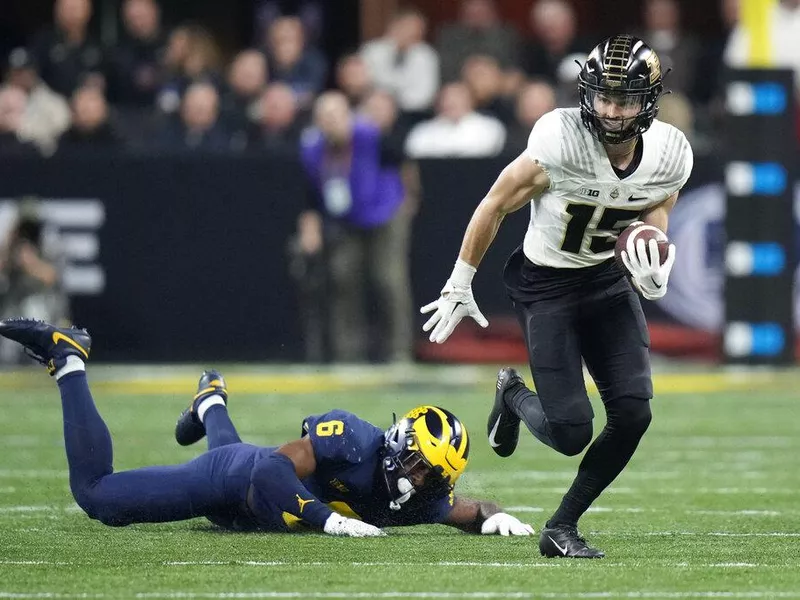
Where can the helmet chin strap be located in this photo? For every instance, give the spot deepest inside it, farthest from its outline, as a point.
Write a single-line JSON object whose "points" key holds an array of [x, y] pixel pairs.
{"points": [[406, 489]]}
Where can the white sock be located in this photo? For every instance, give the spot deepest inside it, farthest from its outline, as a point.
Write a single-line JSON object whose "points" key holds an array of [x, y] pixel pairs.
{"points": [[73, 364], [207, 403]]}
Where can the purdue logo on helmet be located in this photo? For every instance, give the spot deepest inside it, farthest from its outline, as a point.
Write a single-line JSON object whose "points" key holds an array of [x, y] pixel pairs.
{"points": [[425, 452], [619, 86]]}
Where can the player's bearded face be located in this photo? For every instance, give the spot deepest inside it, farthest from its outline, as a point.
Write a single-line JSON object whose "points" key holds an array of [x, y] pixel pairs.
{"points": [[616, 112]]}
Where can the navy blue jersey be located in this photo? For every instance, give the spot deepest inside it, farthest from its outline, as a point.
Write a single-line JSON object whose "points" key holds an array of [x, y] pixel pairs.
{"points": [[348, 477]]}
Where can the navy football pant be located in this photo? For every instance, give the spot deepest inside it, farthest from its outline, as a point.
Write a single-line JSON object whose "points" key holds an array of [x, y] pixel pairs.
{"points": [[147, 495]]}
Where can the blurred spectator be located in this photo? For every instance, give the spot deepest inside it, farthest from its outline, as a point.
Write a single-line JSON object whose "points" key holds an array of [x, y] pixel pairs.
{"points": [[301, 66], [356, 192], [709, 65], [484, 79], [457, 130], [135, 62], [278, 126], [402, 63], [192, 55], [91, 128], [198, 127], [785, 37], [66, 54], [553, 53], [12, 113], [534, 100], [380, 108], [30, 274], [676, 110], [353, 78], [46, 113], [478, 31], [676, 49], [247, 78], [310, 13]]}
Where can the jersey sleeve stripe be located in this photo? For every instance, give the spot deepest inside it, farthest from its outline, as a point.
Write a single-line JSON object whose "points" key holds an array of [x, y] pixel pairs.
{"points": [[676, 174], [665, 157], [568, 142], [671, 171]]}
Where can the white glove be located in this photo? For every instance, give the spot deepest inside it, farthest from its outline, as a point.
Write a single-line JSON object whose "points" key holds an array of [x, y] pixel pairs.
{"points": [[339, 525], [505, 524], [454, 303], [644, 264]]}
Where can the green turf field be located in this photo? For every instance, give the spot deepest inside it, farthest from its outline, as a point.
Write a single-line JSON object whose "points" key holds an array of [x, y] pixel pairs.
{"points": [[708, 508]]}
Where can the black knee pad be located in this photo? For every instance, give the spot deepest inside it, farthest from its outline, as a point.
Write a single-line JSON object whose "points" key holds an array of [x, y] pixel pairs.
{"points": [[570, 439], [628, 415]]}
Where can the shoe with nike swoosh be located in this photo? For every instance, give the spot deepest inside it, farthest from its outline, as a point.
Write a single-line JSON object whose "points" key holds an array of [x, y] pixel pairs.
{"points": [[46, 343], [189, 429], [502, 427], [564, 541]]}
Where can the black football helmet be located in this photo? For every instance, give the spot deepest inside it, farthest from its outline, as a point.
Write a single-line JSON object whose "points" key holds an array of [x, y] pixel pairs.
{"points": [[626, 71]]}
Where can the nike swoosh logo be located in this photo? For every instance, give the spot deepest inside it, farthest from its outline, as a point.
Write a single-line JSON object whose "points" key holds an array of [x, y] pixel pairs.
{"points": [[58, 336], [634, 199], [560, 549], [658, 285], [493, 433]]}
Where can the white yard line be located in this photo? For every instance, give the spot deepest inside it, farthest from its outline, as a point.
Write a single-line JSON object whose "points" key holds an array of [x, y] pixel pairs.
{"points": [[33, 473], [443, 595], [359, 564], [280, 563], [661, 491], [778, 534]]}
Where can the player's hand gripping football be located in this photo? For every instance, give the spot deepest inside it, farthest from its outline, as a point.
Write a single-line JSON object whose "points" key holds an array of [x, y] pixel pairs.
{"points": [[454, 303], [643, 261], [505, 524], [336, 524]]}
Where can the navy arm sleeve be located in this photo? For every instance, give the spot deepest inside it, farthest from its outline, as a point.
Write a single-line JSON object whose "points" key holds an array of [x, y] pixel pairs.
{"points": [[276, 489]]}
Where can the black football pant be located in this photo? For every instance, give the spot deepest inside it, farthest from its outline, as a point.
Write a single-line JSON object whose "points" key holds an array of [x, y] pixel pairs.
{"points": [[606, 329]]}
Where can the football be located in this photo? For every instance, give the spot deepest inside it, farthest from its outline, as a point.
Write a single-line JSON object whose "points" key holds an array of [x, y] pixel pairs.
{"points": [[640, 231]]}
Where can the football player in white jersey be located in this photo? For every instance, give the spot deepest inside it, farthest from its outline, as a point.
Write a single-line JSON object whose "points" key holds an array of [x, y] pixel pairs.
{"points": [[587, 173]]}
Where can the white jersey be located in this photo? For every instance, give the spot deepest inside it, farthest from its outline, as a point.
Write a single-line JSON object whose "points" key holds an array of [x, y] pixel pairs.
{"points": [[575, 222]]}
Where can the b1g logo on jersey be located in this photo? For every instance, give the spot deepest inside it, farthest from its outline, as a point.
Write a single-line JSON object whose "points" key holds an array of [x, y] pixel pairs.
{"points": [[589, 192], [70, 234]]}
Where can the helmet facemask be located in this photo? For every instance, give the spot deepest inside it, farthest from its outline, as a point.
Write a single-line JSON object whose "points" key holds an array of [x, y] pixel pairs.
{"points": [[615, 116], [424, 454], [619, 86], [406, 470]]}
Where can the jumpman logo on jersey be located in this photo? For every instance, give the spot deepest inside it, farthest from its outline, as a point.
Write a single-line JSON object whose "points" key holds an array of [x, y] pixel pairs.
{"points": [[302, 502]]}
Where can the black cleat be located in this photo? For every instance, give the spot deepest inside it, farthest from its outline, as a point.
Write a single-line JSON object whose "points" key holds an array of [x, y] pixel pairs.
{"points": [[189, 429], [503, 424], [562, 541], [48, 344]]}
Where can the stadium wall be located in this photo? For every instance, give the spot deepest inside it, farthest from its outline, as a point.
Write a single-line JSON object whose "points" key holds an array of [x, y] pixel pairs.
{"points": [[192, 253]]}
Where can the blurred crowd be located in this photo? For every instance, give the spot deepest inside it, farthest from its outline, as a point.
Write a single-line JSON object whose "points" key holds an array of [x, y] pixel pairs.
{"points": [[473, 87]]}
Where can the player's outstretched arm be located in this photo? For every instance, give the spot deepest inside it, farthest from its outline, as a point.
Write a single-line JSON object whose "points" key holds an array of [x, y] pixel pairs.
{"points": [[487, 518], [276, 481], [517, 184]]}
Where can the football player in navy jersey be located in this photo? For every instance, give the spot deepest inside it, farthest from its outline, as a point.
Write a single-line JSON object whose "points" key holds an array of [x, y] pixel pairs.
{"points": [[343, 476]]}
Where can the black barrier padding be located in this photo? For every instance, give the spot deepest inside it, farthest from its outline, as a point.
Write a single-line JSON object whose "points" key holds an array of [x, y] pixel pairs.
{"points": [[194, 248]]}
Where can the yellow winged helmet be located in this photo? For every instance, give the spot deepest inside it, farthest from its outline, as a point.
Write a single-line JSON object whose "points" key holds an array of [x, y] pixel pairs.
{"points": [[425, 453]]}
